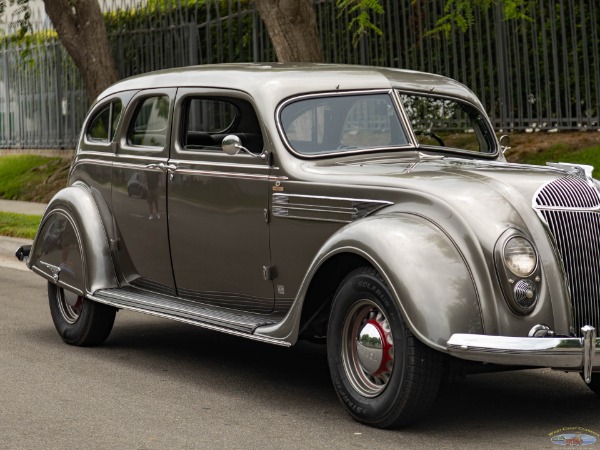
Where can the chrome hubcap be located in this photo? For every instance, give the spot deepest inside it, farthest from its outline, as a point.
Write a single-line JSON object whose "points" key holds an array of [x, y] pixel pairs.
{"points": [[70, 305], [367, 348]]}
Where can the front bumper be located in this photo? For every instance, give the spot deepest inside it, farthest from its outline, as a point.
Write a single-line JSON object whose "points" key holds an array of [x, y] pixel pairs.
{"points": [[565, 353]]}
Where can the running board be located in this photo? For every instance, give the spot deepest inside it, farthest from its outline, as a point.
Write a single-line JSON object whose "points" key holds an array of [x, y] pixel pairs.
{"points": [[213, 318]]}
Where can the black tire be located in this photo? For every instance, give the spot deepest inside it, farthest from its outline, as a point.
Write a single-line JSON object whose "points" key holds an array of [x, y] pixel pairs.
{"points": [[78, 320], [378, 390]]}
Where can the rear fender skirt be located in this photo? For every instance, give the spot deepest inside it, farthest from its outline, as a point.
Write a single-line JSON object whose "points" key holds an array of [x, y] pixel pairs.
{"points": [[71, 246]]}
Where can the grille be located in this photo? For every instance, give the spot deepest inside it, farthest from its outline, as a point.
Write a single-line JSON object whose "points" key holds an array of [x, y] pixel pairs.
{"points": [[569, 207], [568, 192]]}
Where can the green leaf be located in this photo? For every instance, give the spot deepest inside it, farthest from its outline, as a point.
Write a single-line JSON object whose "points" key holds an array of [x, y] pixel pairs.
{"points": [[362, 23]]}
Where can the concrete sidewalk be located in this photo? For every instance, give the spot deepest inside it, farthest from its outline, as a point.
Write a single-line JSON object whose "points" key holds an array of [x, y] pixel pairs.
{"points": [[19, 207], [9, 245]]}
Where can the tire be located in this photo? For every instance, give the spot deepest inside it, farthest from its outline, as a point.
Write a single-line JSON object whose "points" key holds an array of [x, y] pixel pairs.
{"points": [[78, 320], [387, 378]]}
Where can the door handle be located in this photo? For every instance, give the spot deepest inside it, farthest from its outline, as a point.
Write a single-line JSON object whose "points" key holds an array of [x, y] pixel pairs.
{"points": [[167, 167], [162, 166]]}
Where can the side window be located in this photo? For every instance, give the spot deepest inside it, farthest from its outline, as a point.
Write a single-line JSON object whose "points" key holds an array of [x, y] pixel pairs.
{"points": [[333, 124], [207, 120], [102, 127], [444, 122], [309, 126], [99, 128], [150, 123], [370, 122], [210, 116]]}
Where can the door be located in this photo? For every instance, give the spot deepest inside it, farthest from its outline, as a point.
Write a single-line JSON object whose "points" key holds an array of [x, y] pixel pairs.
{"points": [[139, 188], [218, 229], [217, 204]]}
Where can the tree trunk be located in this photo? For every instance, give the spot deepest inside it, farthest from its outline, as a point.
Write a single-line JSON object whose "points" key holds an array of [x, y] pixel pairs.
{"points": [[80, 28], [292, 26]]}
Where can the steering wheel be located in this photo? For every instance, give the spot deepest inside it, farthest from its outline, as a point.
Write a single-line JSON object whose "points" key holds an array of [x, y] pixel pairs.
{"points": [[432, 135]]}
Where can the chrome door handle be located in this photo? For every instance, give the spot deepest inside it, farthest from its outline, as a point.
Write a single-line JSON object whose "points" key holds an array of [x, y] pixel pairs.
{"points": [[167, 167], [162, 166]]}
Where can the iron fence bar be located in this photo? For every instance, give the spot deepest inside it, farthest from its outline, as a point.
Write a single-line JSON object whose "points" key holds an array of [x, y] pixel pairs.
{"points": [[594, 18], [541, 73], [5, 114]]}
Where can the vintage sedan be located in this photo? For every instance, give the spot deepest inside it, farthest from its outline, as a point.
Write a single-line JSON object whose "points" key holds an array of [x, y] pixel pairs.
{"points": [[367, 208]]}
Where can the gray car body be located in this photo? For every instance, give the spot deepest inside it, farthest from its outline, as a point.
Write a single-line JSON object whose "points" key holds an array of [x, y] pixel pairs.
{"points": [[430, 225]]}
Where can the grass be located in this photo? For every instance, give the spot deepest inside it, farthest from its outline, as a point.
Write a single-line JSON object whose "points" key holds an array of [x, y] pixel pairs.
{"points": [[562, 153], [23, 175], [19, 225]]}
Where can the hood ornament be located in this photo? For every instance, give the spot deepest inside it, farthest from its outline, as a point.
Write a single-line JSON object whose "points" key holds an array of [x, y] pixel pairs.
{"points": [[581, 170]]}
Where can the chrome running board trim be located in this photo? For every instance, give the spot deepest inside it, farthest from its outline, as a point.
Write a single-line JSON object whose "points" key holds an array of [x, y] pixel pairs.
{"points": [[217, 319]]}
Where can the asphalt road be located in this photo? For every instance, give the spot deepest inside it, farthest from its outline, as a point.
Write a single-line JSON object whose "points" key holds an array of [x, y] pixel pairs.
{"points": [[162, 384]]}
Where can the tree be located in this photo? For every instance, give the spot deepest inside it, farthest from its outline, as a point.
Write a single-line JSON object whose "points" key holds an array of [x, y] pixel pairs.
{"points": [[291, 24], [292, 27], [80, 28], [461, 13]]}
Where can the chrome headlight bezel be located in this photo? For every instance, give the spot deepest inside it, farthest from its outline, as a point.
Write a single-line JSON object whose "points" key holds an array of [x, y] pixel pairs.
{"points": [[510, 258], [520, 286]]}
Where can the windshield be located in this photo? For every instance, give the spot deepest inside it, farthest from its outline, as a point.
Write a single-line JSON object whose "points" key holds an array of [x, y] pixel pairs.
{"points": [[445, 122], [342, 123]]}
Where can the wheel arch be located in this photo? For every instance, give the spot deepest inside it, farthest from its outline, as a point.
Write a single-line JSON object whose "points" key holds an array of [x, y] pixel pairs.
{"points": [[422, 266], [71, 247], [322, 288]]}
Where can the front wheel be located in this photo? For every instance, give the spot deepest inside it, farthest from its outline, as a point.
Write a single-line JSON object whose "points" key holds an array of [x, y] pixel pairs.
{"points": [[382, 374], [78, 320]]}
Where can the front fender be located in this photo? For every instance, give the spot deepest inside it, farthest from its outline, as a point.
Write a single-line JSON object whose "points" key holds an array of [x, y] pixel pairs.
{"points": [[423, 268], [71, 246]]}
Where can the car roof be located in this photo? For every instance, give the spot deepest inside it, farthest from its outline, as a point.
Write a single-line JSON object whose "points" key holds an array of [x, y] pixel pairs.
{"points": [[278, 81]]}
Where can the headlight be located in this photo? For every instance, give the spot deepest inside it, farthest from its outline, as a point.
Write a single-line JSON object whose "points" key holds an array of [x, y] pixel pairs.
{"points": [[520, 256], [519, 271]]}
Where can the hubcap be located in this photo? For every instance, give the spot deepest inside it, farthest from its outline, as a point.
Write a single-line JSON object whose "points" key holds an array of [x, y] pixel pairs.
{"points": [[367, 348], [69, 304]]}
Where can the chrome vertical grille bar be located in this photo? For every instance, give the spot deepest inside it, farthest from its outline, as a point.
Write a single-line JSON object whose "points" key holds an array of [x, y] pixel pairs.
{"points": [[571, 209]]}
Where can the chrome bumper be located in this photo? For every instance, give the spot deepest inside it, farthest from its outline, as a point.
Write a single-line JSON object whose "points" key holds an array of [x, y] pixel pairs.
{"points": [[573, 354]]}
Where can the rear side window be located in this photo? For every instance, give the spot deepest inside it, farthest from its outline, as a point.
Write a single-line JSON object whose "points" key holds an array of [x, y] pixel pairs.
{"points": [[150, 122], [104, 123]]}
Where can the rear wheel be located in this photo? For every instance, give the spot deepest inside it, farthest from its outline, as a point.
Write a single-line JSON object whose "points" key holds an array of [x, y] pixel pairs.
{"points": [[78, 320], [382, 374]]}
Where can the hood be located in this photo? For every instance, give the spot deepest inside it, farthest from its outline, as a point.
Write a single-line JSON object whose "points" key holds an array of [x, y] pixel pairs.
{"points": [[489, 196]]}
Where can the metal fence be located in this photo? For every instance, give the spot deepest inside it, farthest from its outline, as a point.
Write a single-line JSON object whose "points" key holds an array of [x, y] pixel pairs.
{"points": [[542, 73]]}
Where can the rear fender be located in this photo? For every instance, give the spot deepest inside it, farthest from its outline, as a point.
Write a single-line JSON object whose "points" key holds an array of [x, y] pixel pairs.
{"points": [[423, 268], [71, 247]]}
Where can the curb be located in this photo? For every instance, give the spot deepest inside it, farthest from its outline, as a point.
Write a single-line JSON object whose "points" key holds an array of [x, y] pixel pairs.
{"points": [[8, 247]]}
